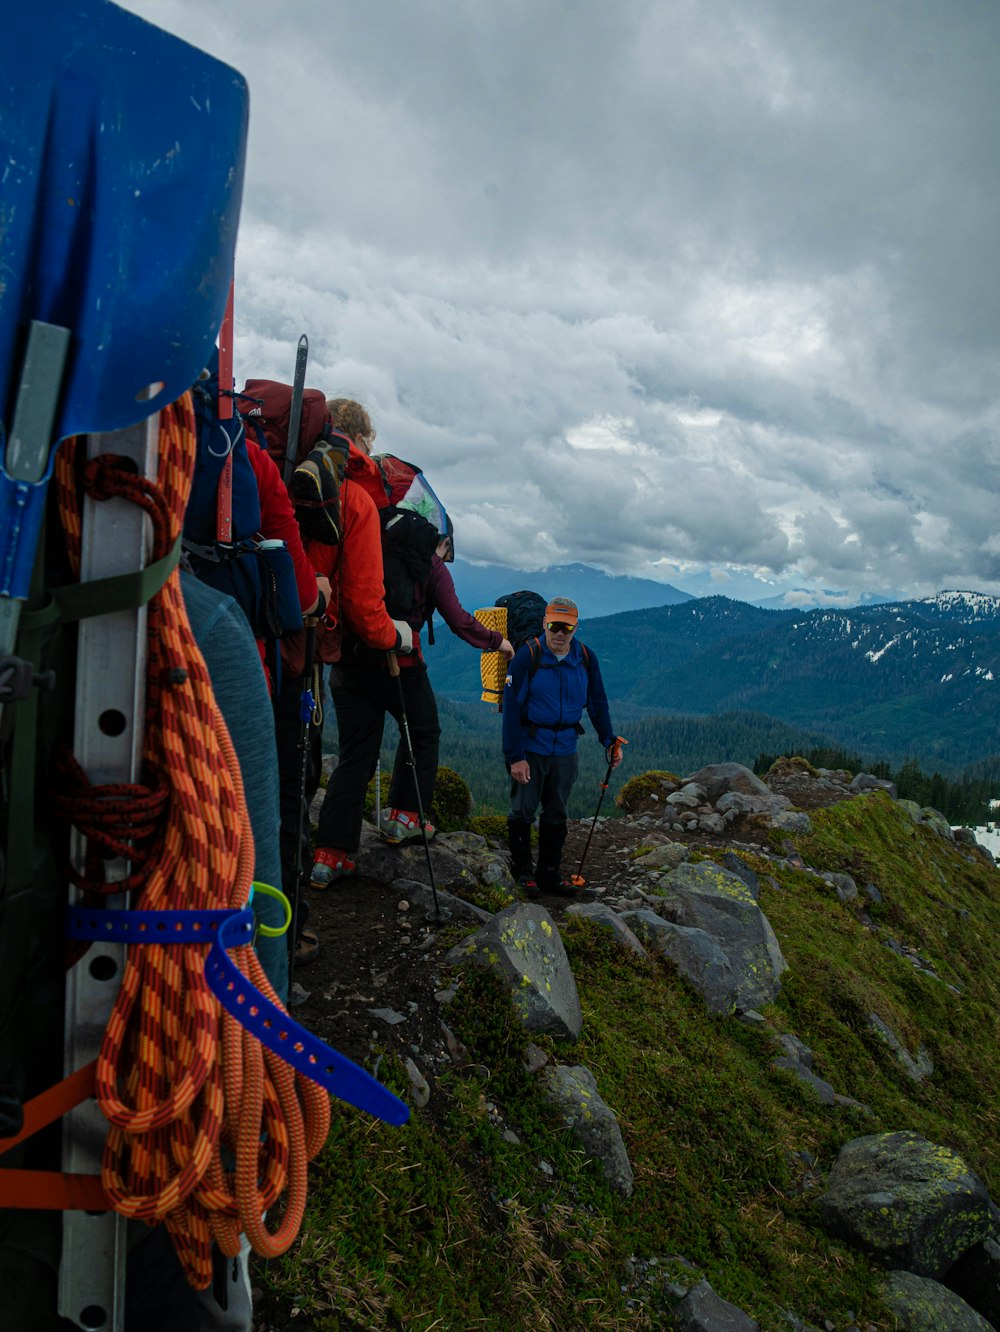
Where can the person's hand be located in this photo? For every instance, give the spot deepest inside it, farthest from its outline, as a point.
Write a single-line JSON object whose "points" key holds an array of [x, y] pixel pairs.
{"points": [[507, 648], [613, 754], [323, 588], [405, 635], [520, 772]]}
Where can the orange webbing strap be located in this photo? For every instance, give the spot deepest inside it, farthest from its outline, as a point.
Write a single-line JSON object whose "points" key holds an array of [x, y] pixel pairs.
{"points": [[44, 1189]]}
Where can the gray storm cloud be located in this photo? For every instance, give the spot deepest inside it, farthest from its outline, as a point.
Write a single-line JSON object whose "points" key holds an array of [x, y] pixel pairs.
{"points": [[657, 286]]}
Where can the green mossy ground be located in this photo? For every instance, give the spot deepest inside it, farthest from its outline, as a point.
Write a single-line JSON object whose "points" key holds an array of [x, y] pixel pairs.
{"points": [[444, 1224]]}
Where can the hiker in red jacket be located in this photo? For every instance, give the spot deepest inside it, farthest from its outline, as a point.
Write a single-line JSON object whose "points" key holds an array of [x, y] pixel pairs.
{"points": [[363, 689], [357, 617], [353, 571]]}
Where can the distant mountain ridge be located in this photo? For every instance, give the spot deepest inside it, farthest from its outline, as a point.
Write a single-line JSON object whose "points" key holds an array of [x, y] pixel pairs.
{"points": [[915, 677], [596, 592]]}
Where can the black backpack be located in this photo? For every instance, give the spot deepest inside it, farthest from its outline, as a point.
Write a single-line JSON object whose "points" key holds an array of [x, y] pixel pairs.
{"points": [[408, 542], [525, 616]]}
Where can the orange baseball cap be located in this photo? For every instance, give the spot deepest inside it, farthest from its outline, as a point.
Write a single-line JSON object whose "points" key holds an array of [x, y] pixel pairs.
{"points": [[562, 611]]}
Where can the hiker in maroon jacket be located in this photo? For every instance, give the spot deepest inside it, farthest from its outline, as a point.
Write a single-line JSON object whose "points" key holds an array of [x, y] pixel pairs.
{"points": [[363, 695]]}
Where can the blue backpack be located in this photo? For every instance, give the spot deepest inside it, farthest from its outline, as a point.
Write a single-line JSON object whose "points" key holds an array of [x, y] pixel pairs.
{"points": [[222, 524]]}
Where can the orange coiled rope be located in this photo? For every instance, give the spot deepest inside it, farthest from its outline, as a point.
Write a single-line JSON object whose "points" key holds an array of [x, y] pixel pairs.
{"points": [[180, 1080]]}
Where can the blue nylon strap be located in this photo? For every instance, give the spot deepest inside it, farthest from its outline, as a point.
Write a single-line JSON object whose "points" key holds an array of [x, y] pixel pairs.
{"points": [[224, 929]]}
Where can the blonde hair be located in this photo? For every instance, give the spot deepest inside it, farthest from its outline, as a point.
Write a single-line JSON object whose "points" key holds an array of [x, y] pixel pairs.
{"points": [[351, 419]]}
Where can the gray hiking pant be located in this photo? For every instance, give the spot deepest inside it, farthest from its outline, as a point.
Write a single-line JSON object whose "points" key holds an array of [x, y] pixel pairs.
{"points": [[551, 778]]}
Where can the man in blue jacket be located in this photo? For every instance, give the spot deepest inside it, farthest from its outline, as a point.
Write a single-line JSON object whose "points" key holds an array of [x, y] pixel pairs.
{"points": [[551, 681]]}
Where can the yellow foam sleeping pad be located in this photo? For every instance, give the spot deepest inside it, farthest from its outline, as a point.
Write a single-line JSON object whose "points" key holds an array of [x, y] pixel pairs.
{"points": [[492, 665]]}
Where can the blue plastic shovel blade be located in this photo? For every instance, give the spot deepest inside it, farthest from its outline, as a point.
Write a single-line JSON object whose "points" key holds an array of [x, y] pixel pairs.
{"points": [[121, 175]]}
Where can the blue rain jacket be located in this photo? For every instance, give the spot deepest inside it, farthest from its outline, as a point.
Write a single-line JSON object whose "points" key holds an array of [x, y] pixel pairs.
{"points": [[542, 712]]}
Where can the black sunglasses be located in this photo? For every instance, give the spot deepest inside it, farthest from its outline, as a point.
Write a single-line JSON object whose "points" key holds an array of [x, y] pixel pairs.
{"points": [[558, 627]]}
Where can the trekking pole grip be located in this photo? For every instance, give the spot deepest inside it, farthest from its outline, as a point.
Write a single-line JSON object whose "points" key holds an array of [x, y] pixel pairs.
{"points": [[393, 663]]}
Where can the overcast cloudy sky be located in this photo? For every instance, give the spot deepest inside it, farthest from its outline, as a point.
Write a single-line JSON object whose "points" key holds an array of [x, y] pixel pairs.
{"points": [[699, 290]]}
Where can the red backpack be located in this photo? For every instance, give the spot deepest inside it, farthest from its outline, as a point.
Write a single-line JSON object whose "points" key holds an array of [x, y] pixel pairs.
{"points": [[319, 455]]}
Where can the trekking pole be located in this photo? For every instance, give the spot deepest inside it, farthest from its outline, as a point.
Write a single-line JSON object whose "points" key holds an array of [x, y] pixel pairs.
{"points": [[578, 880], [437, 915], [378, 794], [307, 717]]}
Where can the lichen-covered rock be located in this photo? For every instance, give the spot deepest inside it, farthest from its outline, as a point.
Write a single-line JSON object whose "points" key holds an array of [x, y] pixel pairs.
{"points": [[665, 857], [906, 1201], [936, 821], [922, 1305], [376, 859], [702, 1310], [611, 920], [707, 897], [792, 821], [695, 954], [738, 866], [572, 1091], [522, 945]]}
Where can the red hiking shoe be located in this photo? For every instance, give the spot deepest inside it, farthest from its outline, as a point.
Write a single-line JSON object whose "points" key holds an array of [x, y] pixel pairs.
{"points": [[330, 865]]}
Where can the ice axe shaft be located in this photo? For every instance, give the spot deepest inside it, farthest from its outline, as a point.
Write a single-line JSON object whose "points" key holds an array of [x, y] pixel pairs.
{"points": [[616, 749]]}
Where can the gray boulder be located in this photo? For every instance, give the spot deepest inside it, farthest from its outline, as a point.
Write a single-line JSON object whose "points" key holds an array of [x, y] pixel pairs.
{"points": [[611, 920], [695, 954], [842, 884], [738, 866], [421, 897], [665, 857], [915, 1069], [922, 1305], [707, 897], [737, 802], [792, 821], [866, 781], [935, 820], [906, 1201], [823, 1090], [522, 946], [572, 1091], [701, 1310], [376, 859], [719, 778]]}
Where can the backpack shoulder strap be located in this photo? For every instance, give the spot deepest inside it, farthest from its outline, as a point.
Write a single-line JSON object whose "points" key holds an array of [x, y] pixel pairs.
{"points": [[535, 649]]}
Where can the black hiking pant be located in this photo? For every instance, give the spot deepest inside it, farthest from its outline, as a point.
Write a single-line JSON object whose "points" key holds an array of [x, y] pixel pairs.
{"points": [[362, 695], [551, 778]]}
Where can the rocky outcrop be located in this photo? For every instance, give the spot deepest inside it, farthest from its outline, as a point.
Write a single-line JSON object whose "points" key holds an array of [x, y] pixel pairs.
{"points": [[611, 920], [916, 1069], [702, 1310], [695, 954], [709, 898], [461, 861], [572, 1091], [922, 1305], [523, 947], [907, 1202]]}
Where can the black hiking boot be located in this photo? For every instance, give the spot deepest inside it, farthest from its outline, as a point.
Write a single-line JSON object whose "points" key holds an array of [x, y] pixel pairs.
{"points": [[519, 841], [551, 837]]}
